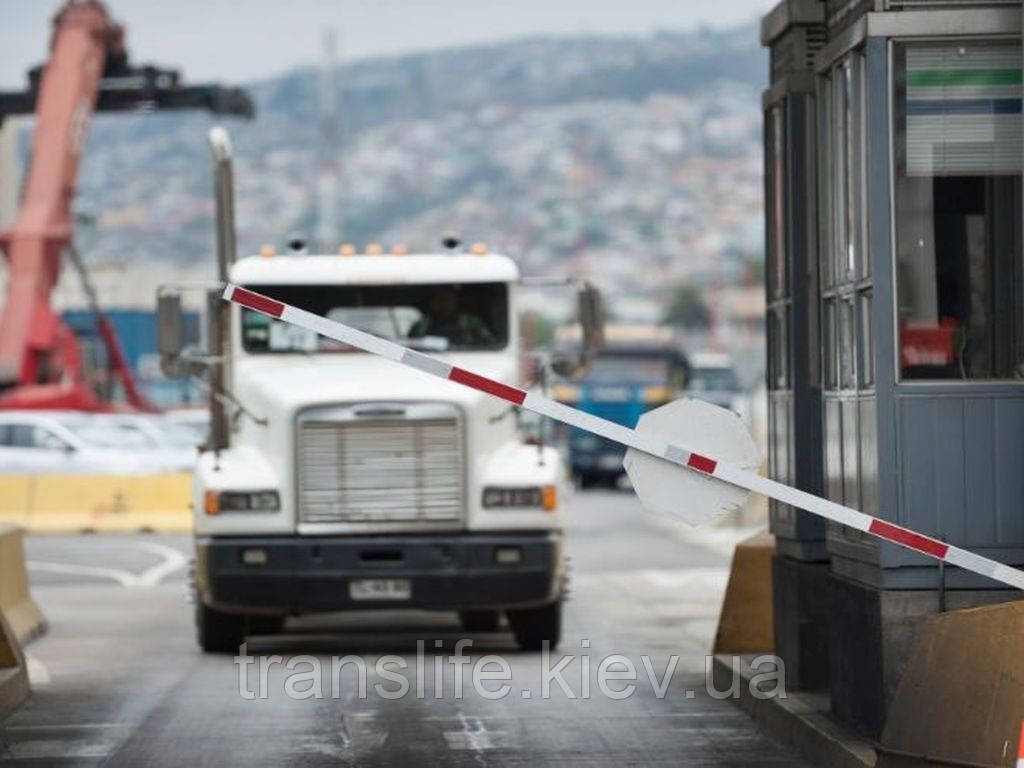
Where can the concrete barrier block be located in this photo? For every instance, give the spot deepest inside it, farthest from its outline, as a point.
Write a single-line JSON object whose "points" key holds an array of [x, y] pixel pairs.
{"points": [[745, 625], [13, 675], [15, 498], [67, 503], [961, 698], [20, 619], [17, 607]]}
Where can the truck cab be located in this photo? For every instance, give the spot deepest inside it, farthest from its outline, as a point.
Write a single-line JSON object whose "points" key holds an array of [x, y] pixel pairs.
{"points": [[350, 483], [638, 368], [713, 378]]}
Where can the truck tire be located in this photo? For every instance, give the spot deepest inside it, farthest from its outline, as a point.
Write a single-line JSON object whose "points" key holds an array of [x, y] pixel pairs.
{"points": [[218, 632], [480, 621], [532, 626]]}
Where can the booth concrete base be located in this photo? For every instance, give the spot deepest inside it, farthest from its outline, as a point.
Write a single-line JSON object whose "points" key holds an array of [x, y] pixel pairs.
{"points": [[872, 632], [801, 607]]}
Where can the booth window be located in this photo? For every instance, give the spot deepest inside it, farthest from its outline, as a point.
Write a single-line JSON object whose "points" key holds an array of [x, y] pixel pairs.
{"points": [[958, 149], [847, 338], [775, 169], [847, 343], [866, 346], [779, 297]]}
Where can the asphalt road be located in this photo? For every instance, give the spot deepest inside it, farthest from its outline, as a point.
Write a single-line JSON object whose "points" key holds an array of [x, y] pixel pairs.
{"points": [[119, 681]]}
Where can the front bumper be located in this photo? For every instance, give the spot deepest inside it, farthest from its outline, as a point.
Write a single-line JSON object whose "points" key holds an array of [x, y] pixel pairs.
{"points": [[445, 572]]}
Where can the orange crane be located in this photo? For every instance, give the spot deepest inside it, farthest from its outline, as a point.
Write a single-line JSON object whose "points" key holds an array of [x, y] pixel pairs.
{"points": [[41, 364]]}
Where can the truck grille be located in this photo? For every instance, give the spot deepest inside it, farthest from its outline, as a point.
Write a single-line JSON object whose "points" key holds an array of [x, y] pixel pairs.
{"points": [[380, 470]]}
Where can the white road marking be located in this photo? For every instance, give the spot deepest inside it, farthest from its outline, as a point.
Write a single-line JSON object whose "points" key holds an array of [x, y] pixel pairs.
{"points": [[473, 736], [38, 674], [721, 540], [124, 578], [323, 745], [344, 733], [58, 749], [671, 581], [675, 579], [64, 726], [172, 561]]}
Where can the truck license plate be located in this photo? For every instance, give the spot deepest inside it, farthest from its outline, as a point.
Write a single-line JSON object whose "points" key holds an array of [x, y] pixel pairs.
{"points": [[380, 589]]}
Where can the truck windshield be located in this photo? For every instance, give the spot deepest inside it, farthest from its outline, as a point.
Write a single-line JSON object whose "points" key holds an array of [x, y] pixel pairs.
{"points": [[436, 318], [713, 380], [609, 369]]}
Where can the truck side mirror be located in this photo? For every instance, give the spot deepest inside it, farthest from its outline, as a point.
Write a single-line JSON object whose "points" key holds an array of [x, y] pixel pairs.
{"points": [[170, 337], [591, 314], [564, 365]]}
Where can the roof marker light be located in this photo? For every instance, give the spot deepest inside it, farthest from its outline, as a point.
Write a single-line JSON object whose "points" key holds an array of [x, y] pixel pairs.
{"points": [[267, 251], [347, 249], [374, 249]]}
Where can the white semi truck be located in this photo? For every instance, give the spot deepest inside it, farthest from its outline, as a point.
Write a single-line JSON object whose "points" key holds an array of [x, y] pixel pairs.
{"points": [[335, 481]]}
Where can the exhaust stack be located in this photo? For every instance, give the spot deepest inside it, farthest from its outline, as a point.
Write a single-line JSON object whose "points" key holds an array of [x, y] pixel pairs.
{"points": [[218, 314]]}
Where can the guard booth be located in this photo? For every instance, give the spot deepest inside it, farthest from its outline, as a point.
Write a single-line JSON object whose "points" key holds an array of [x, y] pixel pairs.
{"points": [[895, 284], [795, 32]]}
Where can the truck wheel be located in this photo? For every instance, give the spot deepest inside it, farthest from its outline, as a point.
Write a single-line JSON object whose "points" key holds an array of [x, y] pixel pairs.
{"points": [[260, 624], [532, 626], [218, 632], [480, 621]]}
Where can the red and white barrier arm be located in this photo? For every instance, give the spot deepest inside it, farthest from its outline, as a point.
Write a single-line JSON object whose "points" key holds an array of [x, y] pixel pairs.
{"points": [[671, 452]]}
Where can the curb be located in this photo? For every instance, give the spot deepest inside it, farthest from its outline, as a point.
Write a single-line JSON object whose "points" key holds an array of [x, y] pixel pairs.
{"points": [[801, 720]]}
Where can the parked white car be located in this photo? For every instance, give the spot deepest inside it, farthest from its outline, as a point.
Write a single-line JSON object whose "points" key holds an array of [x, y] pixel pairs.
{"points": [[196, 420], [68, 441], [172, 445]]}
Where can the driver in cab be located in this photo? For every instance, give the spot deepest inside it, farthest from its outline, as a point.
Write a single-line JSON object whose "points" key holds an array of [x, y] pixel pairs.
{"points": [[446, 318]]}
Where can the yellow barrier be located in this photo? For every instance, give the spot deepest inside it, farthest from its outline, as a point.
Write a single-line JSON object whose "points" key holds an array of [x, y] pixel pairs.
{"points": [[17, 607], [961, 699], [107, 503], [745, 625]]}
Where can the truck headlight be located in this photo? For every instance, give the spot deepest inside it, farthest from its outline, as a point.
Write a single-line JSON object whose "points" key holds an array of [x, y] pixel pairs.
{"points": [[543, 497], [218, 502], [566, 393], [658, 395]]}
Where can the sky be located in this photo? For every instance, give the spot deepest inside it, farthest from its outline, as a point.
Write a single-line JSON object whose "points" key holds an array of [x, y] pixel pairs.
{"points": [[243, 40]]}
